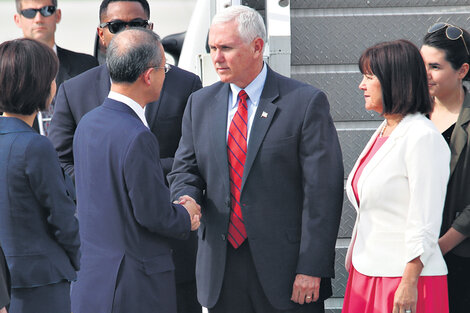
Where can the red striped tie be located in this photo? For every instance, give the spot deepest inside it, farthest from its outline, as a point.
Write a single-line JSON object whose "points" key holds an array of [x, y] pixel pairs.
{"points": [[236, 151]]}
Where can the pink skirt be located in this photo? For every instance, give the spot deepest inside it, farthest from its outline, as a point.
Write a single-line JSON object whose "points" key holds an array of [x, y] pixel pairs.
{"points": [[367, 294]]}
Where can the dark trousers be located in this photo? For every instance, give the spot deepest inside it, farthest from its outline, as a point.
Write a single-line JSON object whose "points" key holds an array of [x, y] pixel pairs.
{"points": [[458, 281], [186, 298], [242, 292], [43, 299]]}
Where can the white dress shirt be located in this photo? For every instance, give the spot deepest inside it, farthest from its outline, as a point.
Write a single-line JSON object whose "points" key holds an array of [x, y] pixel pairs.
{"points": [[253, 90], [140, 111]]}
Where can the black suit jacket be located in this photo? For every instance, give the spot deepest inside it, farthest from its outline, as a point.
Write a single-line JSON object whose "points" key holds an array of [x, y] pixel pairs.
{"points": [[457, 205], [291, 194], [81, 94], [70, 65]]}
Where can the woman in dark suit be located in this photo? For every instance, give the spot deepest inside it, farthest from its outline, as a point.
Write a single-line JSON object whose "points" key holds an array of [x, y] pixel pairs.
{"points": [[38, 229], [446, 54]]}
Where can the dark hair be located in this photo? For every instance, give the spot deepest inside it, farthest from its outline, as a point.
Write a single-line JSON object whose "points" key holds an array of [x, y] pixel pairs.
{"points": [[455, 51], [400, 69], [27, 69], [18, 4], [131, 54], [105, 3]]}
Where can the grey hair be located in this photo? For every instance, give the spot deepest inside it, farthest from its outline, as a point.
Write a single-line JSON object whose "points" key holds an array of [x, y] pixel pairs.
{"points": [[250, 23], [131, 52]]}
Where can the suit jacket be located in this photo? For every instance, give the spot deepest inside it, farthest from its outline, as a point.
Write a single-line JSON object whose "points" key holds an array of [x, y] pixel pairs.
{"points": [[87, 91], [125, 216], [457, 205], [38, 229], [73, 63], [401, 194], [292, 187], [70, 65]]}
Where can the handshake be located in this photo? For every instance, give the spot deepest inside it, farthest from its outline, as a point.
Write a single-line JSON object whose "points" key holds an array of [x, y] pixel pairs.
{"points": [[194, 210]]}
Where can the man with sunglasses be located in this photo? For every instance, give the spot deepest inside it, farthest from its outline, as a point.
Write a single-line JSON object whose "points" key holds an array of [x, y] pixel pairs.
{"points": [[87, 91], [38, 20]]}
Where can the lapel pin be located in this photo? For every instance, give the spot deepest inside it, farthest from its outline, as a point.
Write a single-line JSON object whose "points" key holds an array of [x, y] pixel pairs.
{"points": [[264, 114]]}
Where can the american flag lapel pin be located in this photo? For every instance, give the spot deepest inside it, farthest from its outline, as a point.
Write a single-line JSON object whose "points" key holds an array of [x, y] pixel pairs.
{"points": [[264, 114]]}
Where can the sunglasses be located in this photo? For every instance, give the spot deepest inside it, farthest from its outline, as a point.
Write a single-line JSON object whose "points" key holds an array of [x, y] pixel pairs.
{"points": [[116, 26], [166, 67], [452, 32], [45, 11]]}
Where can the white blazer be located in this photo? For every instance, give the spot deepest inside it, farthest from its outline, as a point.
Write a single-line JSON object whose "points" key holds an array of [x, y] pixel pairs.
{"points": [[401, 193]]}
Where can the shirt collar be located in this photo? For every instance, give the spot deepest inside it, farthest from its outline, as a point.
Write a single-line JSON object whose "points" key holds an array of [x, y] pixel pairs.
{"points": [[253, 90], [55, 48], [130, 103]]}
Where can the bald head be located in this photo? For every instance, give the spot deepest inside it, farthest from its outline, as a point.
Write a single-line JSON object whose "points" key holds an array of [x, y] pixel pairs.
{"points": [[131, 52]]}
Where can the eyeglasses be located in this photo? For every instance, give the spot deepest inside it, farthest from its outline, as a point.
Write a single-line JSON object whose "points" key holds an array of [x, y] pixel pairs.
{"points": [[45, 11], [166, 67], [116, 26], [452, 32]]}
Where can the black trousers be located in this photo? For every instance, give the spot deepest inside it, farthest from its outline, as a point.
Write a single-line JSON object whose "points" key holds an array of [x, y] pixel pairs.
{"points": [[241, 290], [186, 298], [54, 298], [458, 281]]}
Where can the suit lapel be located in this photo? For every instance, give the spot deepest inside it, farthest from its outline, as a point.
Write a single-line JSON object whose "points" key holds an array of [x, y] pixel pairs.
{"points": [[263, 117], [218, 130], [63, 73], [459, 135], [151, 109]]}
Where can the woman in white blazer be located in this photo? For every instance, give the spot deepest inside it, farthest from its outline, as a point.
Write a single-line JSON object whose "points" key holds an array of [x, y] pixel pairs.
{"points": [[398, 187]]}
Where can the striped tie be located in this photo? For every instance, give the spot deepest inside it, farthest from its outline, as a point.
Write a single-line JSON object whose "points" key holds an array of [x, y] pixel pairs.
{"points": [[236, 151]]}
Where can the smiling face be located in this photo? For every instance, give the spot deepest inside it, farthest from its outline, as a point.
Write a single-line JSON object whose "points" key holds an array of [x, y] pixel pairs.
{"points": [[125, 11], [370, 84], [39, 28], [235, 61], [443, 79]]}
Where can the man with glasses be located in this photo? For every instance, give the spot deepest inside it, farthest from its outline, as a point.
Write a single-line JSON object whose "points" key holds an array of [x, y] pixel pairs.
{"points": [[38, 20], [87, 91]]}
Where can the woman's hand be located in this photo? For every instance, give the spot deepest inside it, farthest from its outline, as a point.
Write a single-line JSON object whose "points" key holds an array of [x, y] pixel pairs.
{"points": [[3, 310], [406, 295], [405, 298]]}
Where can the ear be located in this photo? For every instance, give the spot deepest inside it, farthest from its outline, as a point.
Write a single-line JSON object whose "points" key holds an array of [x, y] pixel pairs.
{"points": [[258, 45], [16, 18], [463, 70], [58, 16], [146, 76], [99, 31]]}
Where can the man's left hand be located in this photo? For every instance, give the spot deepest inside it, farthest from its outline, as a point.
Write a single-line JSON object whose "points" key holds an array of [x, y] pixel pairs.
{"points": [[306, 289]]}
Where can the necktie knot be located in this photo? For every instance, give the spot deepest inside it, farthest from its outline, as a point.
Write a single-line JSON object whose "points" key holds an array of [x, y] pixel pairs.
{"points": [[242, 95]]}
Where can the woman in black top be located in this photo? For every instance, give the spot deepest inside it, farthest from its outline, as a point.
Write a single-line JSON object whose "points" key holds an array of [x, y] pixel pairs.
{"points": [[446, 55]]}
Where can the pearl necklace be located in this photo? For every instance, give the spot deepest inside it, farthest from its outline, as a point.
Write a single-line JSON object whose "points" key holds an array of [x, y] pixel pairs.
{"points": [[383, 130]]}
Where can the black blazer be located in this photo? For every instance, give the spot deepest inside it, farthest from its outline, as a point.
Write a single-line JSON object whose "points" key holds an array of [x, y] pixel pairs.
{"points": [[38, 229], [73, 63], [457, 205], [70, 65], [83, 93], [292, 191]]}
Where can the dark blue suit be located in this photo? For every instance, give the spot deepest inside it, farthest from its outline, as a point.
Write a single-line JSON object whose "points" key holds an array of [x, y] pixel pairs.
{"points": [[125, 216], [87, 91], [38, 230], [292, 190]]}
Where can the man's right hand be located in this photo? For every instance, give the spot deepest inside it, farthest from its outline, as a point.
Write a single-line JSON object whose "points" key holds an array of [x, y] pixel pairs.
{"points": [[193, 209]]}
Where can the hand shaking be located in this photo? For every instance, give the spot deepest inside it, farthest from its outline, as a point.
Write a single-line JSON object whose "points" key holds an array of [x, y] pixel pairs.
{"points": [[193, 209]]}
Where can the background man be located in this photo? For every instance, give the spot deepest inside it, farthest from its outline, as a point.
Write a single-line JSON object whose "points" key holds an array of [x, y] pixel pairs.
{"points": [[87, 91], [260, 153], [124, 204], [38, 20]]}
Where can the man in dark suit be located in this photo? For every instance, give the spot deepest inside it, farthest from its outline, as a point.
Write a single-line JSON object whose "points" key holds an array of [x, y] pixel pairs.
{"points": [[38, 20], [124, 205], [266, 168], [87, 91]]}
